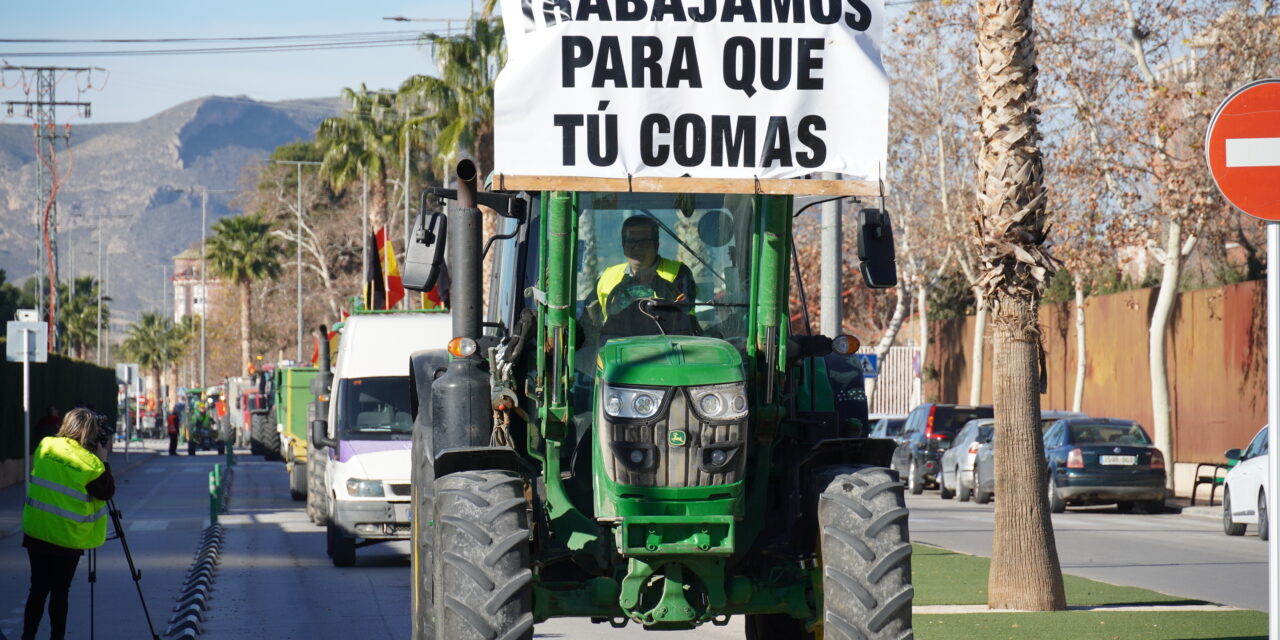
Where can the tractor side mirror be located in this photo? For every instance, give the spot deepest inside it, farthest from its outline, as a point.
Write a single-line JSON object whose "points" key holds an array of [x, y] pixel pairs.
{"points": [[875, 249], [320, 434], [425, 252]]}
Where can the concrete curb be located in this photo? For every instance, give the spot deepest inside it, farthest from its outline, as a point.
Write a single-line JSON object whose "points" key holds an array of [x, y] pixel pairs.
{"points": [[1214, 513], [192, 604]]}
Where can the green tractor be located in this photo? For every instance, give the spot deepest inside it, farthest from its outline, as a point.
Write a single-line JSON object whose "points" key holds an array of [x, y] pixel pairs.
{"points": [[627, 430]]}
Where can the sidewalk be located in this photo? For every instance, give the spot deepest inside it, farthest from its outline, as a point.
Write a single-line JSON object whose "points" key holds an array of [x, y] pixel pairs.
{"points": [[12, 497]]}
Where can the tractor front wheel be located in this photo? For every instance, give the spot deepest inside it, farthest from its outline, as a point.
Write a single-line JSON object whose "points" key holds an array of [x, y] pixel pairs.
{"points": [[866, 556], [483, 581]]}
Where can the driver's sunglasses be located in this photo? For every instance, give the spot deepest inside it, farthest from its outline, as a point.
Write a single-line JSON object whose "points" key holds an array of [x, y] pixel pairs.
{"points": [[639, 239]]}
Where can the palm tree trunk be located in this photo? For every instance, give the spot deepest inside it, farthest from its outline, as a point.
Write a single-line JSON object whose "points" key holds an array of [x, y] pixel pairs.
{"points": [[1025, 573], [244, 328], [378, 201]]}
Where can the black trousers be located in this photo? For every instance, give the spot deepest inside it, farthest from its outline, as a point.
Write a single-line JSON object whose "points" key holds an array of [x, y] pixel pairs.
{"points": [[173, 443], [51, 577]]}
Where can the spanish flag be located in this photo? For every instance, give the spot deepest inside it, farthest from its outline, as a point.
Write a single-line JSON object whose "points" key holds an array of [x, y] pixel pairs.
{"points": [[394, 286]]}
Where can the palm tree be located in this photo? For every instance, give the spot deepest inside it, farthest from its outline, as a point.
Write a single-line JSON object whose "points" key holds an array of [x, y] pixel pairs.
{"points": [[242, 251], [1025, 573], [459, 103], [78, 316], [148, 344], [364, 142]]}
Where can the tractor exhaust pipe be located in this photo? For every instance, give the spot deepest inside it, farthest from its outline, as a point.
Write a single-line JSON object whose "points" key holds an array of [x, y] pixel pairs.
{"points": [[465, 231]]}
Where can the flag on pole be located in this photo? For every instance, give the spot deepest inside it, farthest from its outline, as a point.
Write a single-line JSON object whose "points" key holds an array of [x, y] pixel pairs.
{"points": [[375, 287], [394, 285]]}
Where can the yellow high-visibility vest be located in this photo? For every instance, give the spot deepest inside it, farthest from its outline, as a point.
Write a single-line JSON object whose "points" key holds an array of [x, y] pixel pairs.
{"points": [[667, 270], [58, 508]]}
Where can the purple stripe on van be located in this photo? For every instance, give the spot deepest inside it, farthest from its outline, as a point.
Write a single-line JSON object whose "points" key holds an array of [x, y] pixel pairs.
{"points": [[349, 448]]}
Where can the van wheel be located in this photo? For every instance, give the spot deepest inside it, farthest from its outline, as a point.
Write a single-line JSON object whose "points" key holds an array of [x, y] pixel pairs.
{"points": [[341, 548], [865, 557], [483, 586]]}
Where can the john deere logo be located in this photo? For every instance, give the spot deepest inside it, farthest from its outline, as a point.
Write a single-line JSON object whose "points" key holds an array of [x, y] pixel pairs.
{"points": [[677, 438]]}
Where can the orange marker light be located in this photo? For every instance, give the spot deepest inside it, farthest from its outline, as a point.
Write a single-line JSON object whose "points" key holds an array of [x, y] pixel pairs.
{"points": [[462, 347], [845, 345]]}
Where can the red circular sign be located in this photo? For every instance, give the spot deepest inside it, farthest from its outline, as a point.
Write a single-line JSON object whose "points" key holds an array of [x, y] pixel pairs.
{"points": [[1243, 148]]}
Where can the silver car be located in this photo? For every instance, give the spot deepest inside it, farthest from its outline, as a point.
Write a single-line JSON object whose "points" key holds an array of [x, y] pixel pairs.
{"points": [[956, 478]]}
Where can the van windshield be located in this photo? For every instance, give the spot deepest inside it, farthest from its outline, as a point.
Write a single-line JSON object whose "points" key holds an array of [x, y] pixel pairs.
{"points": [[374, 409]]}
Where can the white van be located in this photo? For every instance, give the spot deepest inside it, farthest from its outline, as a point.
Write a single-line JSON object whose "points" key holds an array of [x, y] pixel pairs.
{"points": [[366, 457]]}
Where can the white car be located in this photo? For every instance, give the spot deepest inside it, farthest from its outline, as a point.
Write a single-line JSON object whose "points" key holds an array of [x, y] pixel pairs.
{"points": [[1244, 493], [957, 463]]}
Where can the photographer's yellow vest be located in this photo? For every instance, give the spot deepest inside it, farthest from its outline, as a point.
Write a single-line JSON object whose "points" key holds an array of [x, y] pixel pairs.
{"points": [[58, 510]]}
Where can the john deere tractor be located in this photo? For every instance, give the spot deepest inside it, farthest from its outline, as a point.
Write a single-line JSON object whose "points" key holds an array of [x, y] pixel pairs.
{"points": [[650, 443]]}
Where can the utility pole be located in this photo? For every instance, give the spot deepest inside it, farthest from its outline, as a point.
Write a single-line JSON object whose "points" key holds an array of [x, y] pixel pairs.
{"points": [[298, 245], [204, 284], [100, 285], [404, 302], [832, 312], [42, 108]]}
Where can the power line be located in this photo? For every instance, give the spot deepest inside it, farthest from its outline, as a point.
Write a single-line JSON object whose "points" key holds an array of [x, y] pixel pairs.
{"points": [[321, 36], [330, 46]]}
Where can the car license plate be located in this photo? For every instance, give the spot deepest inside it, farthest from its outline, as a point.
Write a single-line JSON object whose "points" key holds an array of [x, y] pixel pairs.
{"points": [[1118, 460]]}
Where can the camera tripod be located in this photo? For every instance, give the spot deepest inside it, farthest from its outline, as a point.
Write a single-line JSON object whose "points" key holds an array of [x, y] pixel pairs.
{"points": [[133, 571]]}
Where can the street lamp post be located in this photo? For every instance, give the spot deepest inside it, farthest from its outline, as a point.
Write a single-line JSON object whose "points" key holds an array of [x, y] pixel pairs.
{"points": [[298, 245]]}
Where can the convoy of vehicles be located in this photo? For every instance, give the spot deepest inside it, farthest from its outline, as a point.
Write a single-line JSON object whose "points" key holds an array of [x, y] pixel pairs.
{"points": [[292, 403], [360, 460], [925, 436], [606, 451]]}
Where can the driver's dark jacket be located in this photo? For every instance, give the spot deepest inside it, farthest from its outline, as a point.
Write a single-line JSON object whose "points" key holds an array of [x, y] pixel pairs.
{"points": [[615, 286]]}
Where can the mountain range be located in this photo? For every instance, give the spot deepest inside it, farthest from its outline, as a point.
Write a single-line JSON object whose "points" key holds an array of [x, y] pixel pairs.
{"points": [[142, 182]]}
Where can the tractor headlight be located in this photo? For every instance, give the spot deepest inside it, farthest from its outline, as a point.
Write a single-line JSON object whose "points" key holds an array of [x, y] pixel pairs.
{"points": [[364, 488], [624, 402], [720, 401]]}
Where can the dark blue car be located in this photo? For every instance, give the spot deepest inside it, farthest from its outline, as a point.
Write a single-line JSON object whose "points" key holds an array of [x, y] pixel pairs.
{"points": [[1103, 461]]}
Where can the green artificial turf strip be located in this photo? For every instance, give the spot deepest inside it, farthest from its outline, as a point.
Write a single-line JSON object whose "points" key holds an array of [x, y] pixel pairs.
{"points": [[942, 576], [1094, 625]]}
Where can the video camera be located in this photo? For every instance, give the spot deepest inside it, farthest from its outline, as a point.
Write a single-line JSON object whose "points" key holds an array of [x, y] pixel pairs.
{"points": [[106, 430]]}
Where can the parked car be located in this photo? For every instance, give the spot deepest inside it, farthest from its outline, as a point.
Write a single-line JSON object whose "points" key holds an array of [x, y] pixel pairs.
{"points": [[984, 464], [926, 435], [957, 463], [1244, 492], [887, 426], [1103, 460]]}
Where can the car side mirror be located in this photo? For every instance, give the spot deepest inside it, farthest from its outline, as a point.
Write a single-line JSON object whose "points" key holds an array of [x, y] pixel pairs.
{"points": [[320, 434], [425, 252], [875, 249], [1232, 454]]}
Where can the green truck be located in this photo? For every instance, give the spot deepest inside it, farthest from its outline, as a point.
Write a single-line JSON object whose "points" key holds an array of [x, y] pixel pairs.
{"points": [[292, 399], [638, 450]]}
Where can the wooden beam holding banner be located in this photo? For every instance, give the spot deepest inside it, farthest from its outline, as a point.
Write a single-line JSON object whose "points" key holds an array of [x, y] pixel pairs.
{"points": [[790, 186]]}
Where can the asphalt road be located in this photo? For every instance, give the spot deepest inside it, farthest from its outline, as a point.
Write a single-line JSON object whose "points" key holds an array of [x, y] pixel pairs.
{"points": [[1176, 554], [275, 581]]}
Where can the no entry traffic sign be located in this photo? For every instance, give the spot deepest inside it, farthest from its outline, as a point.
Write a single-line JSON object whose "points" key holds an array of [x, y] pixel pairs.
{"points": [[1243, 149]]}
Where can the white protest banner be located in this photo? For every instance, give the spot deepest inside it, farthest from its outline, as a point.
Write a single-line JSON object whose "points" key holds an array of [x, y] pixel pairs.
{"points": [[761, 89]]}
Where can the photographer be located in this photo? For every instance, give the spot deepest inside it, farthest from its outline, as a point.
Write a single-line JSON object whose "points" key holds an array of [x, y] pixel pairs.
{"points": [[65, 513]]}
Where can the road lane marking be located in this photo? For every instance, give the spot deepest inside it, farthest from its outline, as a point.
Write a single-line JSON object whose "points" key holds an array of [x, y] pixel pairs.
{"points": [[147, 525], [1253, 152], [982, 608]]}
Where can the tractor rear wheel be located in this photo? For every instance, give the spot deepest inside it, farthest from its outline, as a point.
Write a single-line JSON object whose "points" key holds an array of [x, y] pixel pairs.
{"points": [[866, 556], [298, 481], [265, 438], [484, 579]]}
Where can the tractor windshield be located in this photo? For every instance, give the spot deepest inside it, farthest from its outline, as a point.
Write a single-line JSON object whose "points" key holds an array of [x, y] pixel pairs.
{"points": [[650, 264]]}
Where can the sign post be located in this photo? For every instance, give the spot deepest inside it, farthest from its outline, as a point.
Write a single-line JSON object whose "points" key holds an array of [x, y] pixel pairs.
{"points": [[1242, 147], [27, 341]]}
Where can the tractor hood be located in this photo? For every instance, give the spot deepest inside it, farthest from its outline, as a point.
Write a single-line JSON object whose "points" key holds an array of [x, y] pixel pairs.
{"points": [[675, 361]]}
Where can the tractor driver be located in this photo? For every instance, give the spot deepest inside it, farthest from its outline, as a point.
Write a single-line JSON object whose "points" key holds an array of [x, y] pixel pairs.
{"points": [[645, 274]]}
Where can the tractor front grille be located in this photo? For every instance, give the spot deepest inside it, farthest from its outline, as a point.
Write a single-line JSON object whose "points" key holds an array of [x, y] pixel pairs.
{"points": [[645, 453]]}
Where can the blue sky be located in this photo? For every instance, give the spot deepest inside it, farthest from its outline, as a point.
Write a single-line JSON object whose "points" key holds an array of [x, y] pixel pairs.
{"points": [[141, 86]]}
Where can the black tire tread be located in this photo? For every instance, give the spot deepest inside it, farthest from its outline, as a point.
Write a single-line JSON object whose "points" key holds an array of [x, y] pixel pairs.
{"points": [[264, 435], [486, 572], [865, 597]]}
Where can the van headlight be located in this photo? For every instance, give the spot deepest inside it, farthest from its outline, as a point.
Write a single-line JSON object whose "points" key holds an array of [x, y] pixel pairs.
{"points": [[720, 401], [626, 402], [364, 488]]}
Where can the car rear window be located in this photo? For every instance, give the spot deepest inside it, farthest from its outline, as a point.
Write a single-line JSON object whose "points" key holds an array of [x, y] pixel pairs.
{"points": [[1108, 434], [951, 419]]}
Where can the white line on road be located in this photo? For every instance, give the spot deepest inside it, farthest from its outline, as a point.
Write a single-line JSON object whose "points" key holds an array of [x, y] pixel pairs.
{"points": [[1253, 152], [982, 608]]}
